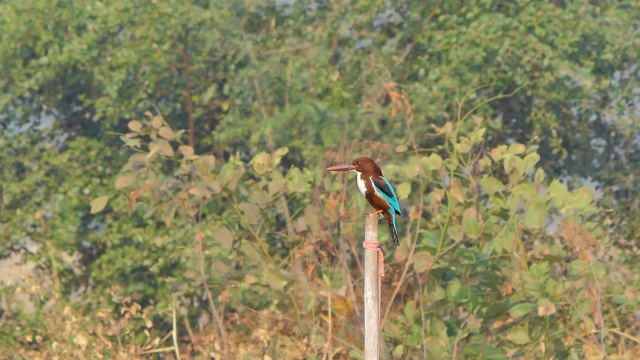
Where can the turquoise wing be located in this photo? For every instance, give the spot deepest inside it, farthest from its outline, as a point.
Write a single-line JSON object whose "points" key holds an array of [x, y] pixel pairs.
{"points": [[386, 190]]}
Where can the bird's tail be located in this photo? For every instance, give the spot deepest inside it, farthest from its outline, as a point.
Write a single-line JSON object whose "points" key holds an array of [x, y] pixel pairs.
{"points": [[391, 219], [394, 233]]}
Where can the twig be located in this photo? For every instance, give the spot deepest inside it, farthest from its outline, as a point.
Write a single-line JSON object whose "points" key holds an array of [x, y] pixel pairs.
{"points": [[158, 350], [599, 305], [214, 310], [584, 319], [422, 317], [174, 330], [625, 335], [330, 322], [188, 327], [216, 315]]}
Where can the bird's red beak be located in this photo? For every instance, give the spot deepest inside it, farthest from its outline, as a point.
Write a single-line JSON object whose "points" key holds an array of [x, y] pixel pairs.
{"points": [[343, 167]]}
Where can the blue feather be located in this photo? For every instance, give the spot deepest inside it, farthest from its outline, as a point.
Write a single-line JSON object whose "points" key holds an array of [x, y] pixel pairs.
{"points": [[385, 190]]}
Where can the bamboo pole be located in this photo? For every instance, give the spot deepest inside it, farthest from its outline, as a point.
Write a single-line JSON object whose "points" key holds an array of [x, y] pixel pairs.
{"points": [[371, 290]]}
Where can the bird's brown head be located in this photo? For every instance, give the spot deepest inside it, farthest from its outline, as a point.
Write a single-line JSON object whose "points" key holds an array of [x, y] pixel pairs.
{"points": [[363, 165]]}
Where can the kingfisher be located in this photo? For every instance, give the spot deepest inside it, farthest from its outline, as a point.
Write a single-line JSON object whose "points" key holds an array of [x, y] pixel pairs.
{"points": [[376, 189]]}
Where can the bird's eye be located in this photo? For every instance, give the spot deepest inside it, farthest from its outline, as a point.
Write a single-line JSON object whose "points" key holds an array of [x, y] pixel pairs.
{"points": [[358, 163]]}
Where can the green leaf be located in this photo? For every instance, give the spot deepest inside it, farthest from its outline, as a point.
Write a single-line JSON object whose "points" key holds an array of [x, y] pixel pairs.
{"points": [[478, 135], [403, 190], [463, 146], [484, 352], [156, 122], [410, 311], [277, 156], [398, 351], [276, 186], [580, 198], [187, 152], [296, 180], [471, 224], [170, 212], [558, 193], [230, 175], [498, 153], [273, 280], [433, 162], [505, 239], [536, 216], [261, 163], [252, 211], [457, 191], [124, 181], [430, 238], [135, 126], [491, 184], [422, 261], [599, 269], [99, 203], [160, 146], [514, 167], [212, 185], [439, 329], [538, 178], [455, 232], [518, 336], [200, 192], [530, 161], [521, 309], [578, 267], [546, 307], [517, 149], [415, 337], [539, 270], [453, 289], [223, 236], [166, 133], [206, 163], [527, 190], [436, 292], [130, 141], [209, 93], [394, 331]]}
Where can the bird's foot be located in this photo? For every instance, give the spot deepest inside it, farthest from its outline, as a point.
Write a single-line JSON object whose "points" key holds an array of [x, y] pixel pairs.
{"points": [[377, 212]]}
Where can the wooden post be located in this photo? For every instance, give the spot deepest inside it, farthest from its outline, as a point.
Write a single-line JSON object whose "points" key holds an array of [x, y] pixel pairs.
{"points": [[371, 291]]}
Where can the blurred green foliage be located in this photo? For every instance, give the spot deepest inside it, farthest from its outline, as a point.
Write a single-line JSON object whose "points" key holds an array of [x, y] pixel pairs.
{"points": [[164, 172]]}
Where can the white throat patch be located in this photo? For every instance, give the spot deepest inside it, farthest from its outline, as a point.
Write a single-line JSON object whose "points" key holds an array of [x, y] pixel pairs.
{"points": [[361, 184]]}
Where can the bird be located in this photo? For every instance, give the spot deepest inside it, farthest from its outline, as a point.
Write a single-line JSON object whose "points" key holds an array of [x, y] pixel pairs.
{"points": [[376, 189]]}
